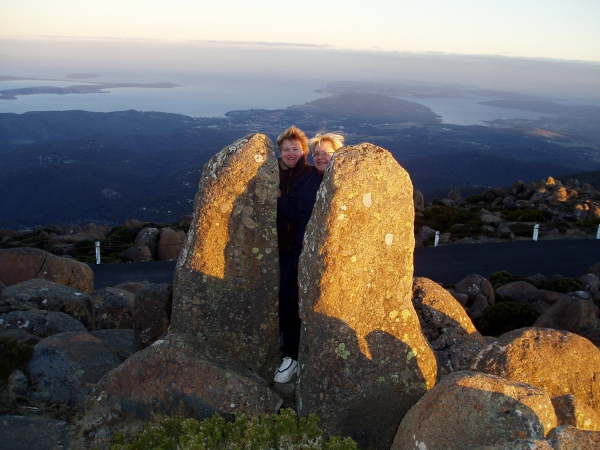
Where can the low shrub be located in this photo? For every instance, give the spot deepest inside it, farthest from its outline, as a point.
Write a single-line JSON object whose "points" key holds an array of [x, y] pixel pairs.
{"points": [[522, 229], [559, 284], [474, 199], [276, 431], [442, 218], [529, 216], [503, 277], [504, 317]]}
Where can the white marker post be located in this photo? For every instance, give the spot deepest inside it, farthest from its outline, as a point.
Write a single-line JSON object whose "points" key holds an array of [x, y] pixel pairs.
{"points": [[598, 232], [97, 252], [536, 231], [437, 239]]}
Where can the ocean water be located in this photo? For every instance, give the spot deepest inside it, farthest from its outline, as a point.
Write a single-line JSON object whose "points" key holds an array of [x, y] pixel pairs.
{"points": [[468, 111], [214, 96], [210, 97]]}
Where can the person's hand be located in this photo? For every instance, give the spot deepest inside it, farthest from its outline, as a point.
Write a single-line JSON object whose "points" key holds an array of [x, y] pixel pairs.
{"points": [[278, 193]]}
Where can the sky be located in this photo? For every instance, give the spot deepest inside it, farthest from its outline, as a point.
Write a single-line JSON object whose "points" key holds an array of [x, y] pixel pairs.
{"points": [[555, 29]]}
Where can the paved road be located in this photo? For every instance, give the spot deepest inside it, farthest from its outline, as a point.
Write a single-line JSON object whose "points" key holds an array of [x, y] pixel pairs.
{"points": [[444, 264]]}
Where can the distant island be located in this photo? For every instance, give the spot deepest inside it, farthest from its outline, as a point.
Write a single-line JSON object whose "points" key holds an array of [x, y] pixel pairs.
{"points": [[93, 87]]}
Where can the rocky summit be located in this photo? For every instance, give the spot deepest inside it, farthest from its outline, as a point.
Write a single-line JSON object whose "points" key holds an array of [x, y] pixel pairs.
{"points": [[387, 359], [364, 360], [226, 280]]}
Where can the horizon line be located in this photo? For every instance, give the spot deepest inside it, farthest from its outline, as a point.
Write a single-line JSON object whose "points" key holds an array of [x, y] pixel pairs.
{"points": [[266, 44]]}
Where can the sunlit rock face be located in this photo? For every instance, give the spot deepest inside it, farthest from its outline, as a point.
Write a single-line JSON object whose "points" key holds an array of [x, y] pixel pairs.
{"points": [[469, 410], [363, 358], [556, 361], [226, 279], [446, 326]]}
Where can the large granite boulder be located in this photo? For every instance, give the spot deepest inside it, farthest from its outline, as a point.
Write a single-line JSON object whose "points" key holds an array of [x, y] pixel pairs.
{"points": [[180, 375], [363, 358], [469, 409], [558, 362], [64, 368], [113, 308], [24, 263], [446, 326], [151, 314], [226, 279], [40, 322], [46, 295]]}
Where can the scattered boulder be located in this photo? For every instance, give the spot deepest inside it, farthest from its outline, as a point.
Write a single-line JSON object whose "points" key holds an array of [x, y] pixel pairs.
{"points": [[419, 200], [170, 244], [40, 323], [572, 411], [517, 291], [590, 283], [567, 437], [64, 367], [454, 195], [593, 335], [468, 410], [93, 234], [570, 314], [558, 362], [446, 326], [136, 254], [226, 280], [25, 263], [480, 291], [181, 375], [113, 308], [364, 359], [133, 224], [595, 269], [41, 294], [7, 232], [148, 237], [151, 314]]}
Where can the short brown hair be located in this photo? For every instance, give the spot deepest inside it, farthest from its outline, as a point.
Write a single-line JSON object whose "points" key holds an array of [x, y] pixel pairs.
{"points": [[293, 134]]}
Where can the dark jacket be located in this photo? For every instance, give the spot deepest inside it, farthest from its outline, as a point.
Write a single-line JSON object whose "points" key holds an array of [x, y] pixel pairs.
{"points": [[286, 229], [299, 204]]}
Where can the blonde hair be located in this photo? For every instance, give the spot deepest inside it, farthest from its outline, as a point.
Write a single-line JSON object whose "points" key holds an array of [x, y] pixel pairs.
{"points": [[293, 133], [336, 138]]}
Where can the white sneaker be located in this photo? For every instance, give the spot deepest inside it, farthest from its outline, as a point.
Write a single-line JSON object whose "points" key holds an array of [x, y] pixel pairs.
{"points": [[286, 370]]}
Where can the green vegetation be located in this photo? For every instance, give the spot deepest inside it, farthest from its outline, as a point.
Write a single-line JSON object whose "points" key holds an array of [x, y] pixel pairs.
{"points": [[443, 218], [528, 216], [558, 283], [504, 317], [13, 356], [276, 431]]}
